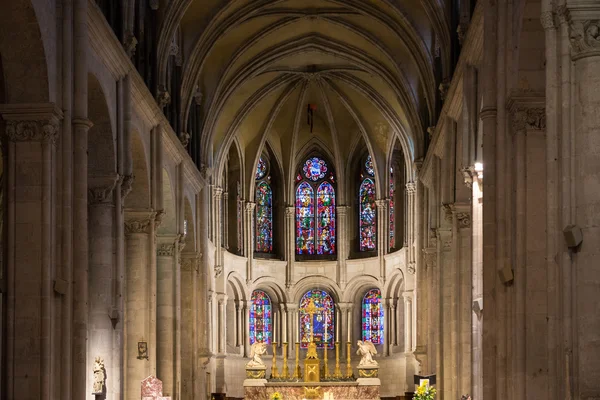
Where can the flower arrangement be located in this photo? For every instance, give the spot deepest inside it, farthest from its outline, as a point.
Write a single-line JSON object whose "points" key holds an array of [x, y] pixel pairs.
{"points": [[424, 392], [276, 396]]}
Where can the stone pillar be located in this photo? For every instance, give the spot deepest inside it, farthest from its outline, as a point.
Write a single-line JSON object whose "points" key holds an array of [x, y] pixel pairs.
{"points": [[292, 325], [585, 53], [393, 323], [225, 221], [290, 244], [247, 305], [165, 312], [138, 227], [387, 326], [189, 322], [249, 229], [31, 133], [411, 208], [382, 217], [222, 323], [408, 321], [343, 243], [101, 278], [239, 323], [216, 216]]}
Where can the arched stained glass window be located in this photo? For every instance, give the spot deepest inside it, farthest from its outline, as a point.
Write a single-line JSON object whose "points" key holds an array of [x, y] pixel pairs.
{"points": [[372, 317], [260, 317], [367, 214], [261, 168], [369, 166], [392, 210], [323, 323], [325, 219], [264, 218], [305, 221], [315, 169]]}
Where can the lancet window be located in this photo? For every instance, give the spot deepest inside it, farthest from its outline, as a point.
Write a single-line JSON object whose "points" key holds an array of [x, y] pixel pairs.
{"points": [[322, 322], [367, 209], [372, 317], [315, 209], [260, 317], [264, 208]]}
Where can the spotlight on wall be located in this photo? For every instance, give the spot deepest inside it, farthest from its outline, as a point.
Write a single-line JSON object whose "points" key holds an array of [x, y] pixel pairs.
{"points": [[506, 275], [573, 236]]}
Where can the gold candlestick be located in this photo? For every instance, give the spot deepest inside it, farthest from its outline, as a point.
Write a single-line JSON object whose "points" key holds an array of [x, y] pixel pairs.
{"points": [[325, 366], [348, 363], [274, 372], [285, 373], [297, 372], [337, 373]]}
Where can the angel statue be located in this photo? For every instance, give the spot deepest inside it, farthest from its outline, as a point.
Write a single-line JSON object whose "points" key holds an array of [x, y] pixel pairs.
{"points": [[257, 350], [366, 351]]}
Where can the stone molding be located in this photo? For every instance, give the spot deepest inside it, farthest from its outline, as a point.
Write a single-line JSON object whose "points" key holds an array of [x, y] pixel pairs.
{"points": [[249, 206], [100, 189], [341, 210], [163, 98], [463, 219], [126, 185], [184, 138], [430, 257], [528, 112], [190, 263], [547, 20], [290, 211], [217, 192], [411, 268], [488, 112], [585, 38], [138, 221], [165, 250], [31, 122], [411, 188], [130, 43]]}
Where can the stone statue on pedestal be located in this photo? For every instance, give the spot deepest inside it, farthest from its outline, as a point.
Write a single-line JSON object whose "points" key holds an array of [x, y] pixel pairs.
{"points": [[256, 351], [99, 376], [366, 350]]}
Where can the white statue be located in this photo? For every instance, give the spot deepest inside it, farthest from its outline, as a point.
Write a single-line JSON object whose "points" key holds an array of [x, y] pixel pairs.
{"points": [[257, 350], [366, 351], [99, 376]]}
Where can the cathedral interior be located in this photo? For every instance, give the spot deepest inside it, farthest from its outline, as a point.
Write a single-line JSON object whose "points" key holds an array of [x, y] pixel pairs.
{"points": [[182, 178]]}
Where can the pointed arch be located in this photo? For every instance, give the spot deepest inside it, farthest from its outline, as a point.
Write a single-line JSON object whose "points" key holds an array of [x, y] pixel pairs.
{"points": [[326, 234], [305, 222], [367, 215], [264, 214], [372, 317], [323, 324], [260, 323]]}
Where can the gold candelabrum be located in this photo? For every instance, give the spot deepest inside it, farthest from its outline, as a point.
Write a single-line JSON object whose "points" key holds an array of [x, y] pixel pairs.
{"points": [[297, 372], [325, 366], [337, 373], [348, 363], [274, 372], [285, 373]]}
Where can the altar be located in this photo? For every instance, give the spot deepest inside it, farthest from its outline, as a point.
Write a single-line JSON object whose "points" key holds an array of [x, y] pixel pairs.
{"points": [[315, 381]]}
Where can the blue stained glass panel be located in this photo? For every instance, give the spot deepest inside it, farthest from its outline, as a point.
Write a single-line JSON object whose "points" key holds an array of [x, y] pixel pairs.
{"points": [[369, 166], [264, 218], [261, 168], [367, 215], [325, 219], [260, 317], [305, 219], [372, 317], [323, 322], [315, 169]]}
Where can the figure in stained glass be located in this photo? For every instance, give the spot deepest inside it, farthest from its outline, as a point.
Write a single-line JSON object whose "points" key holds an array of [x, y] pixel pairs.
{"points": [[369, 166], [315, 169], [392, 211], [260, 317], [261, 168], [264, 218], [323, 322], [367, 214], [372, 317], [326, 219], [305, 222]]}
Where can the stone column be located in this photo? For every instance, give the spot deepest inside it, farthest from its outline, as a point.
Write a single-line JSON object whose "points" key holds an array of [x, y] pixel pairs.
{"points": [[249, 229], [216, 216], [138, 227], [101, 279], [222, 323], [411, 208], [408, 321], [31, 133], [239, 322], [189, 322], [165, 312], [290, 244], [343, 243], [585, 53], [225, 221], [393, 323], [386, 327], [292, 325], [247, 305], [381, 235]]}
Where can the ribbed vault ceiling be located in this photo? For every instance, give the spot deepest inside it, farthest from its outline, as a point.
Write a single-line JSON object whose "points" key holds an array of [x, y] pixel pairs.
{"points": [[366, 65]]}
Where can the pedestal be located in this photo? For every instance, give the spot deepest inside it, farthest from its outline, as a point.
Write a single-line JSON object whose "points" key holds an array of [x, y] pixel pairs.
{"points": [[312, 370], [255, 376], [368, 376]]}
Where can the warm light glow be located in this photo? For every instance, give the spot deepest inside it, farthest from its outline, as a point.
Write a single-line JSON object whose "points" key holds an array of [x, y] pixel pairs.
{"points": [[478, 167]]}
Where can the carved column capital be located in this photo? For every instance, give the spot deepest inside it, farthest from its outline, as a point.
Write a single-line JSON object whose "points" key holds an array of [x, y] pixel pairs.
{"points": [[411, 188], [585, 38], [126, 185], [430, 257], [100, 189], [217, 192], [290, 211], [548, 20], [341, 210], [528, 118], [190, 263], [153, 4], [184, 138], [31, 122], [249, 206], [381, 203], [138, 221], [130, 43], [163, 98], [165, 250]]}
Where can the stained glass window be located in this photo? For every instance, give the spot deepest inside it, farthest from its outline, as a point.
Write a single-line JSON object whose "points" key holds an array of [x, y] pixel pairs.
{"points": [[325, 219], [372, 317], [392, 211], [367, 214], [264, 218], [323, 327], [369, 166], [315, 169], [305, 221], [260, 317], [261, 168]]}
